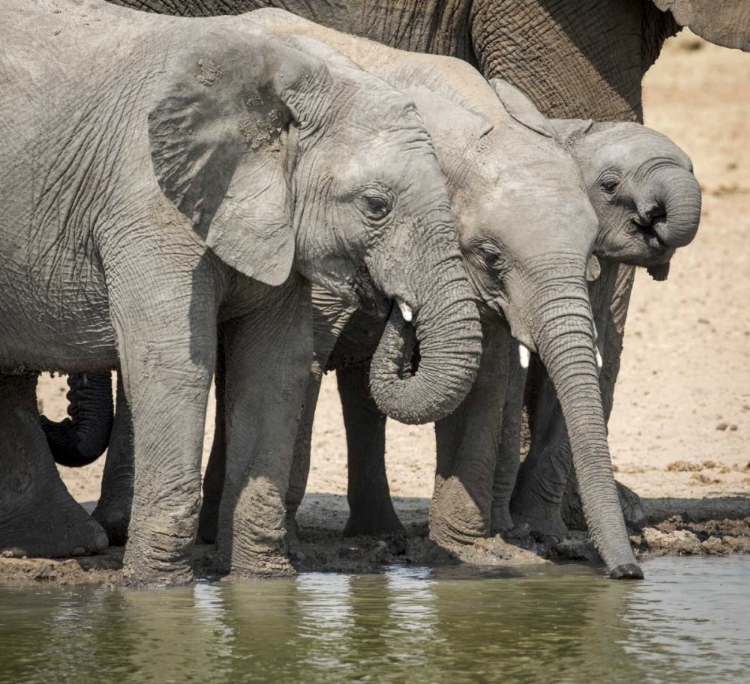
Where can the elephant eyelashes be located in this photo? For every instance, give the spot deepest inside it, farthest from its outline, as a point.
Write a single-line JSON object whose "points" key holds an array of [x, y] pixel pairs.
{"points": [[492, 259]]}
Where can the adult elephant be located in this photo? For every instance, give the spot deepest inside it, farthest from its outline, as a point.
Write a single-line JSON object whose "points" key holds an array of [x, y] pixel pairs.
{"points": [[210, 174], [574, 58]]}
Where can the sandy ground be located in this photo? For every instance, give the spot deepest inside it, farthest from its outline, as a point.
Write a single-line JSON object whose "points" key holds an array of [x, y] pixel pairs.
{"points": [[680, 430]]}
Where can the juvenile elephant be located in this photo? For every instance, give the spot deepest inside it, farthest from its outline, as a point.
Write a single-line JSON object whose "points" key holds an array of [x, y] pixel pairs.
{"points": [[648, 203], [162, 177]]}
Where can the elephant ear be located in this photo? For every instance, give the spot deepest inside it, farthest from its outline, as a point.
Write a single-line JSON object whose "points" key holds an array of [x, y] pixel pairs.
{"points": [[568, 132], [521, 108], [723, 22], [223, 136]]}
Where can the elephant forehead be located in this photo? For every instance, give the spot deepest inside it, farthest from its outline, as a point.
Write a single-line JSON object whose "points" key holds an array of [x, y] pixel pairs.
{"points": [[630, 147]]}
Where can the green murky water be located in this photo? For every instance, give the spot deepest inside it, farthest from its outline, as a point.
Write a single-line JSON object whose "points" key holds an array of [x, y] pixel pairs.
{"points": [[689, 621]]}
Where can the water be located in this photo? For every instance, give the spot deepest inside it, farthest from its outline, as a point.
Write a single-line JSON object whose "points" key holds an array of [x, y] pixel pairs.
{"points": [[689, 621]]}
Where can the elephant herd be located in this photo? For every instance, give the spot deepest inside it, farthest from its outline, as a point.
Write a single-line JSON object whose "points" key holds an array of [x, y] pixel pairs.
{"points": [[420, 197]]}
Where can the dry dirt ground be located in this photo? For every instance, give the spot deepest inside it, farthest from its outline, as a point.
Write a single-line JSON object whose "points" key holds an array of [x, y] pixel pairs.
{"points": [[680, 431]]}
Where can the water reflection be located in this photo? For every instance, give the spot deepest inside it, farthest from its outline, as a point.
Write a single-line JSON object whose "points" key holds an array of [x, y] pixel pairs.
{"points": [[688, 622]]}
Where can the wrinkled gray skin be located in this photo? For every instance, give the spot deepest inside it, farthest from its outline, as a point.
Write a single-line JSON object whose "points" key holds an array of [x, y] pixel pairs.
{"points": [[526, 232], [648, 203], [573, 58], [161, 177]]}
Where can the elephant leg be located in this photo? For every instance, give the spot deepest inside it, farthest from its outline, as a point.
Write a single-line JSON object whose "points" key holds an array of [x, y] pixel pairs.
{"points": [[371, 511], [213, 480], [116, 498], [330, 317], [508, 457], [38, 517], [467, 448], [544, 473], [267, 355]]}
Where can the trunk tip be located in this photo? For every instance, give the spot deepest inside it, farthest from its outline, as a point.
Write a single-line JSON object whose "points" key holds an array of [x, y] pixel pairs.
{"points": [[628, 571]]}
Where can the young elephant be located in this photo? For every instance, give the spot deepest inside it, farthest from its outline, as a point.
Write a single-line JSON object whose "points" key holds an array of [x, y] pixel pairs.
{"points": [[648, 203], [160, 177]]}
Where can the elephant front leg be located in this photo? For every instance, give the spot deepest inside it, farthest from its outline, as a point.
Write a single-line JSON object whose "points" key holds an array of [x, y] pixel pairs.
{"points": [[371, 511], [38, 517], [467, 448], [116, 498], [508, 457], [268, 356]]}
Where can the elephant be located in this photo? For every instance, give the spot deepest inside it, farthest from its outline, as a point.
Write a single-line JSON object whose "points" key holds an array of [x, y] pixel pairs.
{"points": [[648, 203], [580, 59], [164, 178]]}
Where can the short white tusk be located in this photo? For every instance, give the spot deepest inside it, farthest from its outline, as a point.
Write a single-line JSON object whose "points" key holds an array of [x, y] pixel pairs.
{"points": [[523, 355], [405, 309], [599, 362]]}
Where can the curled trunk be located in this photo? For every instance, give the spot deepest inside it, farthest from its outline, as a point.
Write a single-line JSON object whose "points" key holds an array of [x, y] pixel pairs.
{"points": [[447, 328], [566, 347], [84, 437], [681, 196]]}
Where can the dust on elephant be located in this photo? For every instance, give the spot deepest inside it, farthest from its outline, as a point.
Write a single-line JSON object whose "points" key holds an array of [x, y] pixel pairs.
{"points": [[648, 203], [573, 58], [162, 177]]}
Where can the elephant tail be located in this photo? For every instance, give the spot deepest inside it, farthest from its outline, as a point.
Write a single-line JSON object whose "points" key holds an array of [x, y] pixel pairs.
{"points": [[82, 438]]}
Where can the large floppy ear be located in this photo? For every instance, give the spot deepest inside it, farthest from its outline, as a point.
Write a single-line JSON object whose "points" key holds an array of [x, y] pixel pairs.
{"points": [[724, 22], [568, 132], [223, 133], [520, 107]]}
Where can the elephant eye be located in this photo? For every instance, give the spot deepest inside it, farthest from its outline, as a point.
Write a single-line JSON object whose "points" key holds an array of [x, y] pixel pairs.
{"points": [[491, 258], [378, 206], [609, 184]]}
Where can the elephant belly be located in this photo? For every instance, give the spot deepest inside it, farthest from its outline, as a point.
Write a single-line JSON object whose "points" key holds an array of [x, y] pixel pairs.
{"points": [[56, 319]]}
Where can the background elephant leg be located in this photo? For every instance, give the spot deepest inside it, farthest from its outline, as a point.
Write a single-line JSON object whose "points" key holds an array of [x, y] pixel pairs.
{"points": [[116, 498], [213, 480], [302, 448], [545, 471], [38, 517], [467, 448], [509, 454], [371, 511]]}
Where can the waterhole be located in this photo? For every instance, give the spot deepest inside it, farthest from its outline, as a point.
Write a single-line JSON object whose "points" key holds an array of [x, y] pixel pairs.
{"points": [[689, 621]]}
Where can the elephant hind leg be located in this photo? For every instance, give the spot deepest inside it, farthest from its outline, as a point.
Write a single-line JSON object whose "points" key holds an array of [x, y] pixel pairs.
{"points": [[38, 517], [371, 511]]}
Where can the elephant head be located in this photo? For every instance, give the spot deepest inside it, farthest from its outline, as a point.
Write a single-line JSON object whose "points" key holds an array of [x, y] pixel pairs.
{"points": [[642, 188]]}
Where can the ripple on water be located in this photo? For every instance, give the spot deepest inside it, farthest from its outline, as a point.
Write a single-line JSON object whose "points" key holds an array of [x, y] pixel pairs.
{"points": [[687, 622]]}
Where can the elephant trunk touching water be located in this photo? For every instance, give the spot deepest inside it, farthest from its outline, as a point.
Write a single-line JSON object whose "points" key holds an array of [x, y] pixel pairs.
{"points": [[565, 342]]}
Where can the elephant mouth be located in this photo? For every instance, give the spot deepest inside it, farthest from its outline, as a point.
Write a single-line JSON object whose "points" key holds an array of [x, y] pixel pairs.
{"points": [[648, 233]]}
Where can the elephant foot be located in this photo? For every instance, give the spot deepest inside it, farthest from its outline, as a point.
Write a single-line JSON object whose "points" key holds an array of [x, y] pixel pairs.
{"points": [[154, 560], [544, 520], [256, 564], [501, 520], [113, 514], [455, 519], [572, 507], [374, 519], [46, 522]]}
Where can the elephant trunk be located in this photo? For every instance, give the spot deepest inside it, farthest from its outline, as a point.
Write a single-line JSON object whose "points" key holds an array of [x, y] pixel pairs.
{"points": [[81, 439], [447, 329], [564, 339], [680, 197]]}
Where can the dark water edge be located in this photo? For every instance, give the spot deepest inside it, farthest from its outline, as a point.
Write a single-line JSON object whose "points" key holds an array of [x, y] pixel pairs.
{"points": [[689, 621]]}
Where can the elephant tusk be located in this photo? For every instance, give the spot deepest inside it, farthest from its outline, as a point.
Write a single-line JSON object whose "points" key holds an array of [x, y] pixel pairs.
{"points": [[599, 362], [523, 355], [406, 312]]}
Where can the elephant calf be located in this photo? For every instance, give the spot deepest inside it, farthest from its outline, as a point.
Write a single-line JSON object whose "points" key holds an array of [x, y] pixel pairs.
{"points": [[161, 177]]}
